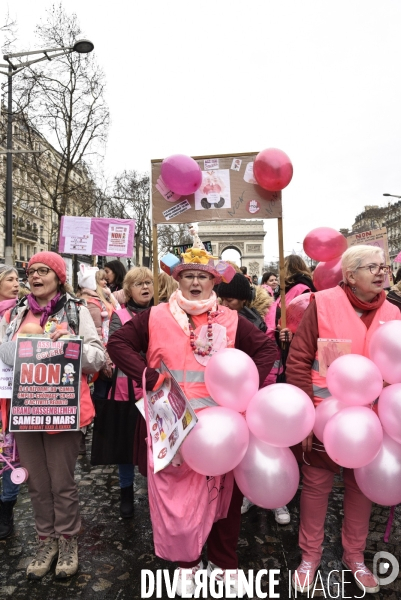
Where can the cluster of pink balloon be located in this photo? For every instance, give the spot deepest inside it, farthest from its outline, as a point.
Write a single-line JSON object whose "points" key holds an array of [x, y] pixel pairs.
{"points": [[181, 174], [257, 446], [326, 245], [352, 433]]}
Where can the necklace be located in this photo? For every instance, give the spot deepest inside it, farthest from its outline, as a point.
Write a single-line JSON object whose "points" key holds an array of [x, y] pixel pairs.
{"points": [[196, 347]]}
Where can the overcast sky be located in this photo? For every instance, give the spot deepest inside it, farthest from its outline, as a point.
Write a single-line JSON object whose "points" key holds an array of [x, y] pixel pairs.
{"points": [[318, 79]]}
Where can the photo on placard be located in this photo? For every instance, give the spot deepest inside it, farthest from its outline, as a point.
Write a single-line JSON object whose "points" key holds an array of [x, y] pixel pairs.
{"points": [[214, 191]]}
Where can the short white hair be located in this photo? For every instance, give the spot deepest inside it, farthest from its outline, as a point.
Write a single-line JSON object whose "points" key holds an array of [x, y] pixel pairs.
{"points": [[354, 256]]}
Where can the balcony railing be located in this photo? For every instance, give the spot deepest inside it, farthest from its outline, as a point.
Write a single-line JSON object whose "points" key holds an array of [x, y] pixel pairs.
{"points": [[27, 235]]}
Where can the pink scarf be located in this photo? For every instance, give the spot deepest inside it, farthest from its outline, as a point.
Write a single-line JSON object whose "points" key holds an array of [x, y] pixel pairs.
{"points": [[6, 304], [180, 308], [44, 311]]}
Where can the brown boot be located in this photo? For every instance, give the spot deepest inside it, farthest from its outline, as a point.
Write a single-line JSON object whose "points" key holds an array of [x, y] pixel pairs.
{"points": [[42, 561], [67, 563]]}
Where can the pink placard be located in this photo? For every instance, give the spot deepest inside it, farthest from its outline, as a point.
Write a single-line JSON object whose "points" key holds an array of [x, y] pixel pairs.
{"points": [[97, 236]]}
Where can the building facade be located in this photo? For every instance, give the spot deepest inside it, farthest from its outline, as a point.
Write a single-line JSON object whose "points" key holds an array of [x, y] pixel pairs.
{"points": [[38, 181], [376, 217]]}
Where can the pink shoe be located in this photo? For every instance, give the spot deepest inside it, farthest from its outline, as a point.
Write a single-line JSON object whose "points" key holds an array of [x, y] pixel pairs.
{"points": [[303, 578], [364, 578]]}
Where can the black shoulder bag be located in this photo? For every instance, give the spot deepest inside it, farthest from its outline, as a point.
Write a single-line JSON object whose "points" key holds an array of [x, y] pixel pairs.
{"points": [[114, 427]]}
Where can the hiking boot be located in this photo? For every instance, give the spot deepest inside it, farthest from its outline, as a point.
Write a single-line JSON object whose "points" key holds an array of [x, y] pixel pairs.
{"points": [[232, 580], [6, 518], [42, 561], [282, 515], [127, 502], [303, 578], [364, 578], [186, 580], [246, 505], [67, 563]]}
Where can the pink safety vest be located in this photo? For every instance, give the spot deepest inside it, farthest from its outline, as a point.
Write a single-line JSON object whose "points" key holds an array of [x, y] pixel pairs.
{"points": [[168, 343], [121, 391], [337, 319]]}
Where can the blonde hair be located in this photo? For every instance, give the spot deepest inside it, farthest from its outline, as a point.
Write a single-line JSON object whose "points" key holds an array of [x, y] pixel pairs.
{"points": [[133, 276], [108, 299], [167, 285], [6, 270], [261, 302], [353, 257]]}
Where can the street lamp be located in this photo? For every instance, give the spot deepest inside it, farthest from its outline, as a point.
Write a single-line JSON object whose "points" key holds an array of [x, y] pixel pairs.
{"points": [[80, 46], [392, 195]]}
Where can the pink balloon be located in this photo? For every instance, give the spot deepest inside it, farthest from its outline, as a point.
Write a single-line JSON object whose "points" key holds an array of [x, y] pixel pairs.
{"points": [[232, 378], [324, 243], [268, 476], [390, 411], [217, 443], [353, 437], [380, 480], [328, 274], [354, 379], [385, 350], [281, 415], [324, 411], [295, 311], [181, 174], [272, 169]]}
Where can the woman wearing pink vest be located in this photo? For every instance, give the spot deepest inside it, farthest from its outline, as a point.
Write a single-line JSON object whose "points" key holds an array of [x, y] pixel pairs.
{"points": [[353, 310], [138, 291], [50, 458], [184, 333]]}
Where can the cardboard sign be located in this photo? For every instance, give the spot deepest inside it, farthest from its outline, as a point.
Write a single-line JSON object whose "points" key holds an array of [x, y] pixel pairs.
{"points": [[46, 384], [228, 191]]}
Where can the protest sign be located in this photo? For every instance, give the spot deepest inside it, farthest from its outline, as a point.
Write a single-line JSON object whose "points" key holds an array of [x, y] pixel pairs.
{"points": [[171, 418], [46, 384], [97, 236]]}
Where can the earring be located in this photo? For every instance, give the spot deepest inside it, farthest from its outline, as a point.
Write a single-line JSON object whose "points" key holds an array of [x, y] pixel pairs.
{"points": [[353, 289]]}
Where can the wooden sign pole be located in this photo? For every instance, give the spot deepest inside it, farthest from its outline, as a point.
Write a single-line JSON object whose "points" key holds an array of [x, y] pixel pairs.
{"points": [[282, 271], [155, 267]]}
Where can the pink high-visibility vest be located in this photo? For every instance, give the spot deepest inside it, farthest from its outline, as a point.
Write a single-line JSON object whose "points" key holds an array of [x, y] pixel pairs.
{"points": [[337, 319], [168, 343]]}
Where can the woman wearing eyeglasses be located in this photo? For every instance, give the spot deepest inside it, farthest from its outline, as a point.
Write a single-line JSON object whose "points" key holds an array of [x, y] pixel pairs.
{"points": [[184, 333], [50, 458], [352, 310], [138, 296]]}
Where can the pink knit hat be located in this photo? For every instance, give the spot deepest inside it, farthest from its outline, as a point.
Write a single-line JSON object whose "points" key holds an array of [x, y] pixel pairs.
{"points": [[52, 260]]}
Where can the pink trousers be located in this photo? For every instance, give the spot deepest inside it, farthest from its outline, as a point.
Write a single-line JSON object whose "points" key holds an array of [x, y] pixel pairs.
{"points": [[317, 485]]}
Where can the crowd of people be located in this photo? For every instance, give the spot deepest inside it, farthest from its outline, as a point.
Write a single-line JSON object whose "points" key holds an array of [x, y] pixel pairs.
{"points": [[197, 314]]}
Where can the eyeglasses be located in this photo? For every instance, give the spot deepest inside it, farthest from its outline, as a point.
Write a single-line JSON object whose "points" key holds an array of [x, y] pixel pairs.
{"points": [[375, 269], [42, 271], [202, 278], [141, 285]]}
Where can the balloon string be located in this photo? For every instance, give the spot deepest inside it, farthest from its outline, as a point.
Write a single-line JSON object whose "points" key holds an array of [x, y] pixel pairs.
{"points": [[389, 524]]}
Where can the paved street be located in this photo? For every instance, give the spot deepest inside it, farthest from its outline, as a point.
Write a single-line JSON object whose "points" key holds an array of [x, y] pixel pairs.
{"points": [[113, 551]]}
